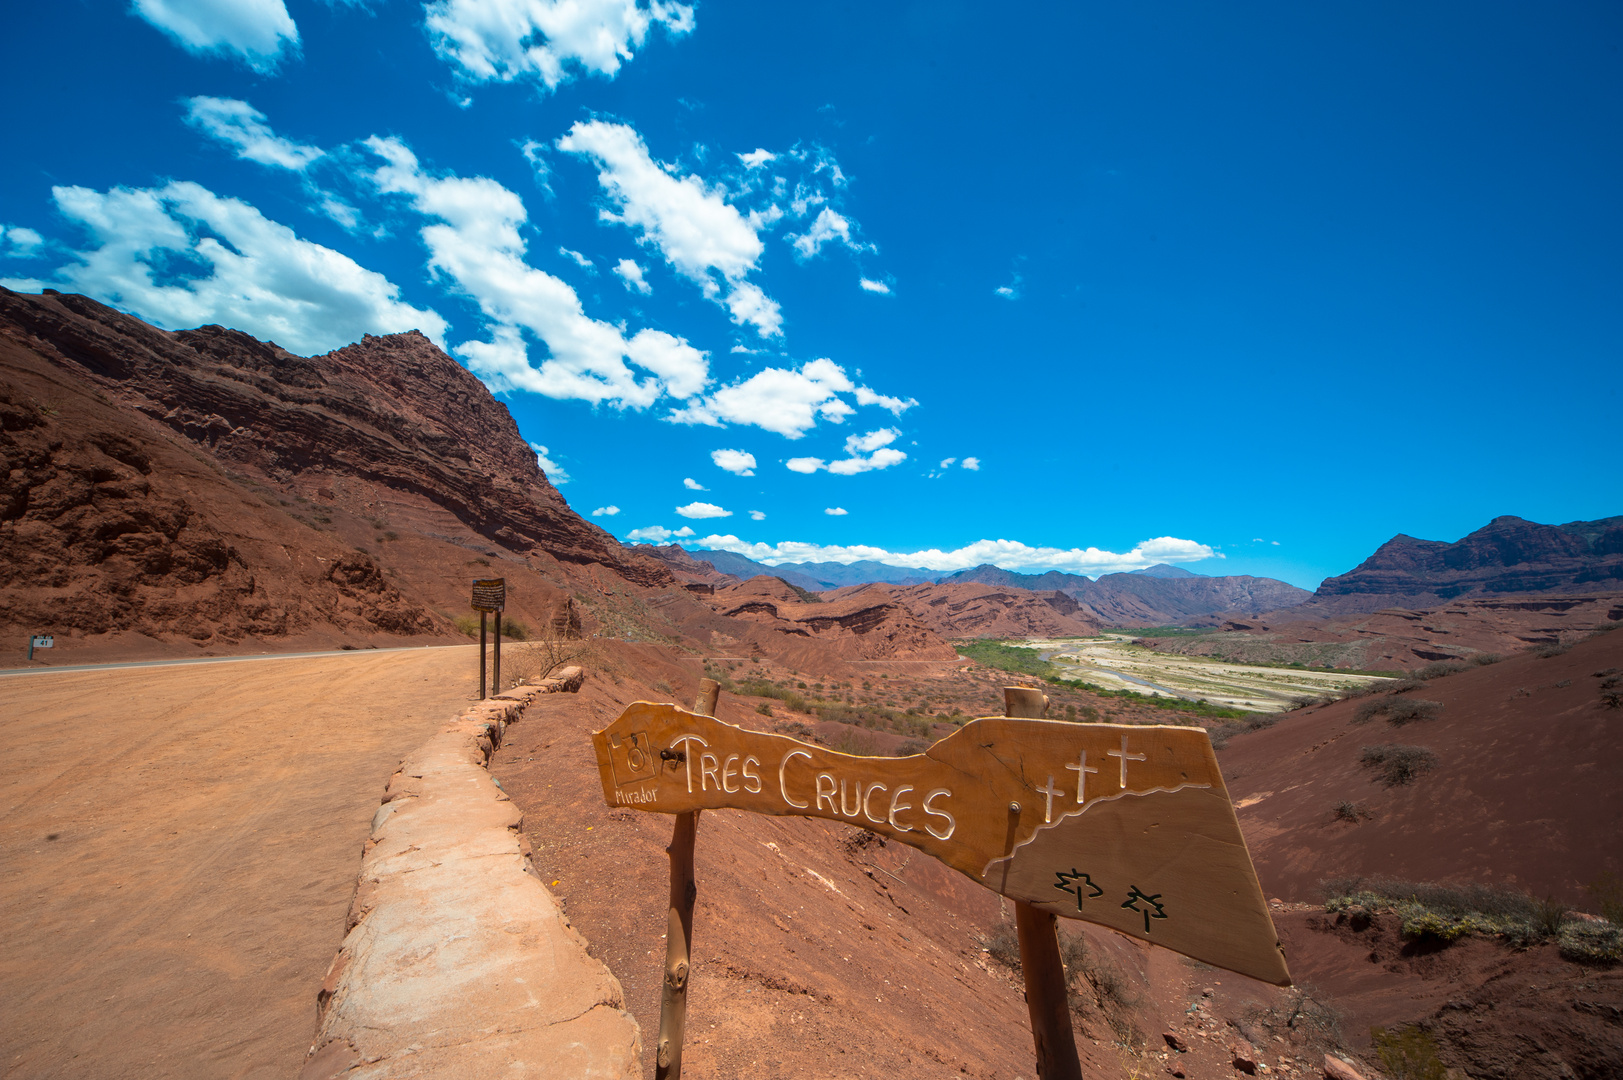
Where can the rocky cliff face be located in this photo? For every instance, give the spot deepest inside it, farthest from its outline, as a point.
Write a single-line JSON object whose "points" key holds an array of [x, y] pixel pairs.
{"points": [[394, 411], [1508, 556], [209, 486], [863, 623]]}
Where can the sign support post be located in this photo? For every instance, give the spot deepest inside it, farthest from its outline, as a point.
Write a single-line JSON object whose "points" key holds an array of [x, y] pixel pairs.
{"points": [[673, 998], [490, 597], [1039, 948]]}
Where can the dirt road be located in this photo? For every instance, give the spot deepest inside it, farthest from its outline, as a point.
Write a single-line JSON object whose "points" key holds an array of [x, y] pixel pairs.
{"points": [[180, 848]]}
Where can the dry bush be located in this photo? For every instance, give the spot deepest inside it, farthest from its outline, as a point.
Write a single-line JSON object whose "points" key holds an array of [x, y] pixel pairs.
{"points": [[1349, 811], [1303, 1017], [1398, 765], [1397, 710], [1003, 944]]}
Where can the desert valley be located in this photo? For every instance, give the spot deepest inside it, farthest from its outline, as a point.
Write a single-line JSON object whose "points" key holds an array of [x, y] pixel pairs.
{"points": [[1422, 753]]}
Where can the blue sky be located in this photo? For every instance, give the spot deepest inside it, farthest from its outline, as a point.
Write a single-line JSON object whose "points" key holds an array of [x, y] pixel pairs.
{"points": [[1079, 287]]}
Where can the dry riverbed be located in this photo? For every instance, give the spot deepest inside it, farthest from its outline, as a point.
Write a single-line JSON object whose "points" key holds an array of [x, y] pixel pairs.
{"points": [[1112, 661]]}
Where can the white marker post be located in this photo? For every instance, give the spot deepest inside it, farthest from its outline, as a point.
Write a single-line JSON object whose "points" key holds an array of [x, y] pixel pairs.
{"points": [[40, 641]]}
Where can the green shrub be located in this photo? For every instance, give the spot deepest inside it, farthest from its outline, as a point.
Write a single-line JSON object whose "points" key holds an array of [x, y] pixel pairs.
{"points": [[1608, 893], [467, 624], [513, 630], [1440, 668], [1592, 942], [764, 709], [1551, 915], [1398, 765], [1408, 1053]]}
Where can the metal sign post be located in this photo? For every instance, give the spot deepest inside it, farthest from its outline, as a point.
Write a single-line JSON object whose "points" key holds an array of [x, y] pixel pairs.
{"points": [[40, 641], [490, 597]]}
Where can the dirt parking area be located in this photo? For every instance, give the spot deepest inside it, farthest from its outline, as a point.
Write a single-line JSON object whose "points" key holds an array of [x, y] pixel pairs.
{"points": [[180, 847]]}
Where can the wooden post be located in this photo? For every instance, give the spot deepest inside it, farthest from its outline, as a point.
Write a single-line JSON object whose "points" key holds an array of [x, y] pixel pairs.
{"points": [[1039, 949], [481, 656], [673, 1001], [496, 675]]}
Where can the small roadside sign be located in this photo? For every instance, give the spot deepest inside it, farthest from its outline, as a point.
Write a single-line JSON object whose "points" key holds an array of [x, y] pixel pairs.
{"points": [[40, 641], [490, 594]]}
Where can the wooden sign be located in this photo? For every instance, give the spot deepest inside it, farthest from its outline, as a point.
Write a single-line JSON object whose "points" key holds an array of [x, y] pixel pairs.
{"points": [[1124, 826], [490, 594]]}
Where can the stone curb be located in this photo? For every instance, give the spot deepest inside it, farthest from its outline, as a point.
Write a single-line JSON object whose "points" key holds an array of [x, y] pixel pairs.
{"points": [[458, 962]]}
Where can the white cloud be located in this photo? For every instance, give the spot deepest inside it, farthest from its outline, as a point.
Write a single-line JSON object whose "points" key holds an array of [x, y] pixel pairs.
{"points": [[683, 531], [897, 406], [656, 533], [542, 41], [258, 31], [1275, 543], [865, 453], [788, 402], [757, 157], [340, 211], [828, 226], [182, 256], [606, 511], [240, 125], [477, 243], [20, 242], [691, 223], [870, 285], [757, 515], [1009, 554], [692, 484], [631, 274], [555, 472], [973, 464], [946, 463], [703, 510], [836, 511], [737, 462], [580, 260], [1011, 291], [536, 154]]}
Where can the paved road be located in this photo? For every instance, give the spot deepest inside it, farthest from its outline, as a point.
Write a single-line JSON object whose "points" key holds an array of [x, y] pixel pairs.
{"points": [[180, 845]]}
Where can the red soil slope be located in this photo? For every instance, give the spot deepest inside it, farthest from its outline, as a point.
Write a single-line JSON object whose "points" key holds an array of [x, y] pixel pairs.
{"points": [[1404, 639], [1527, 790]]}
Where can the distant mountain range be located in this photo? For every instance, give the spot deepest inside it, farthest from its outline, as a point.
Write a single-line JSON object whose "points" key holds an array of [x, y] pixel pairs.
{"points": [[1153, 596]]}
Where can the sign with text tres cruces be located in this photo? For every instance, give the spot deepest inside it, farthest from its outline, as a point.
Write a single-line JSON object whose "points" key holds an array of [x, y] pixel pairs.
{"points": [[489, 594], [1124, 826]]}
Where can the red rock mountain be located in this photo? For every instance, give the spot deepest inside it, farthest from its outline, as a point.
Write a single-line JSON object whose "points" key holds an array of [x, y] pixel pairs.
{"points": [[206, 487], [1507, 556]]}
